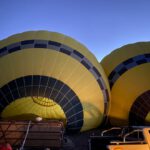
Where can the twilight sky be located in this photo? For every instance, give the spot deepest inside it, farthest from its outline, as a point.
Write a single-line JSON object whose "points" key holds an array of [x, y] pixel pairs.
{"points": [[101, 25]]}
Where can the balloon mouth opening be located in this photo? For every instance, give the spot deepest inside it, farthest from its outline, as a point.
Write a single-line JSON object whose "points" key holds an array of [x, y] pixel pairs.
{"points": [[29, 108]]}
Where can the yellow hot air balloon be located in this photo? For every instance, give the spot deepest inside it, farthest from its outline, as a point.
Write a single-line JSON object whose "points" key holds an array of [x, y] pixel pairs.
{"points": [[128, 70], [52, 76]]}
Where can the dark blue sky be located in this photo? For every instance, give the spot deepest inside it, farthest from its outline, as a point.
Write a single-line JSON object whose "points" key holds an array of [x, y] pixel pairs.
{"points": [[101, 25]]}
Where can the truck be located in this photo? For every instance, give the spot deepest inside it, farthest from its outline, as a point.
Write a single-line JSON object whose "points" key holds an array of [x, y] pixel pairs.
{"points": [[138, 139], [125, 138]]}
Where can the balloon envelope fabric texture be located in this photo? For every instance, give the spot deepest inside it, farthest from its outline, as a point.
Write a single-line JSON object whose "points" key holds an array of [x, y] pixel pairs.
{"points": [[50, 75], [128, 71]]}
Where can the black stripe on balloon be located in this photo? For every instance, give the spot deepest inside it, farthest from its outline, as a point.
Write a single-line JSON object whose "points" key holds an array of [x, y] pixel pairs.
{"points": [[52, 45], [43, 86], [140, 109], [127, 65]]}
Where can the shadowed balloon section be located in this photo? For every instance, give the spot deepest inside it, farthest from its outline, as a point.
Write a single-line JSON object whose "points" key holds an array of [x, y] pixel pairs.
{"points": [[128, 75]]}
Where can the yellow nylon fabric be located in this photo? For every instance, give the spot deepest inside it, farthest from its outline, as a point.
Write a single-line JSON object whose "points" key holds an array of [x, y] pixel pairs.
{"points": [[27, 106], [57, 65], [125, 91], [121, 54], [131, 84], [54, 36]]}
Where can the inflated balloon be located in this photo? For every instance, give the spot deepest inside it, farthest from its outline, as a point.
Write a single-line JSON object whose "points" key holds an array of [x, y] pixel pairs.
{"points": [[50, 75], [128, 70]]}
